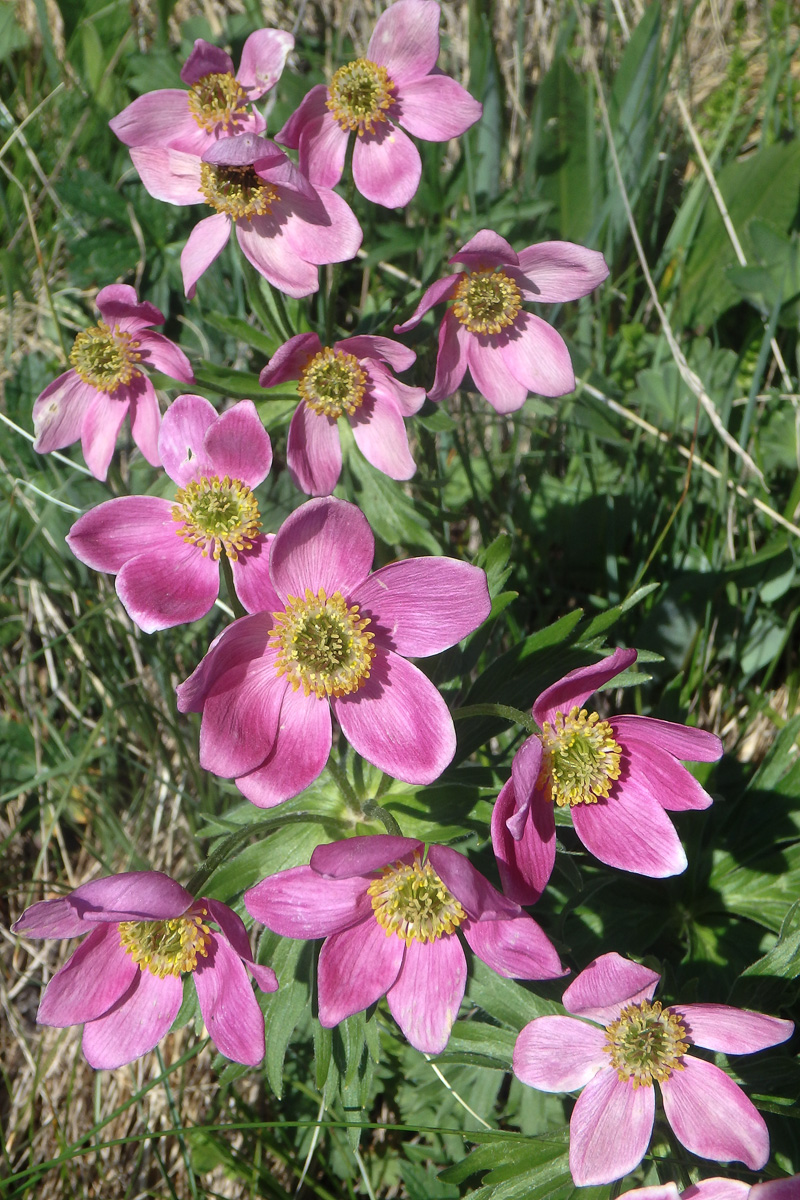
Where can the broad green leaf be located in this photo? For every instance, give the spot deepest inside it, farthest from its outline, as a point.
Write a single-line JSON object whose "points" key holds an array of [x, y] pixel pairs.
{"points": [[566, 162]]}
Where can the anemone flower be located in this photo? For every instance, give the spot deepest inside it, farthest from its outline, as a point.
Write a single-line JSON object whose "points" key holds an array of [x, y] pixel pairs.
{"points": [[218, 101], [787, 1188], [106, 381], [124, 985], [332, 635], [349, 379], [389, 914], [631, 1044], [509, 352], [165, 553], [394, 85]]}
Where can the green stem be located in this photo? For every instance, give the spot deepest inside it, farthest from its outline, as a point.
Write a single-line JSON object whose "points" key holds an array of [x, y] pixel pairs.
{"points": [[374, 812], [336, 273], [280, 305], [232, 843], [344, 785], [227, 573], [503, 711]]}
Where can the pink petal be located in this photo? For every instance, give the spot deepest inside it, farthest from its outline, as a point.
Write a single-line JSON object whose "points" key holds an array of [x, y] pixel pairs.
{"points": [[712, 1117], [681, 741], [451, 359], [525, 864], [181, 442], [668, 1191], [723, 1189], [322, 149], [289, 359], [205, 243], [238, 445], [732, 1030], [386, 166], [242, 641], [526, 767], [515, 948], [325, 543], [232, 928], [610, 1128], [488, 365], [230, 1010], [300, 752], [429, 989], [135, 1024], [405, 39], [486, 250], [156, 119], [145, 421], [398, 721], [320, 230], [131, 896], [170, 175], [470, 888], [205, 59], [300, 903], [240, 717], [441, 290], [630, 830], [101, 426], [650, 771], [165, 356], [610, 982], [90, 982], [363, 855], [59, 411], [576, 687], [264, 56], [108, 536], [313, 451], [381, 436], [407, 400], [559, 1054], [386, 350], [272, 257], [251, 577], [50, 919], [436, 108], [168, 586], [312, 106], [356, 967], [118, 305], [561, 271], [421, 606], [537, 356], [771, 1189]]}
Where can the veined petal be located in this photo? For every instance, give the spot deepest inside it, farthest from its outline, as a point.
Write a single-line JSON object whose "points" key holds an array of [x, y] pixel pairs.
{"points": [[386, 166], [131, 896], [537, 355], [50, 919], [472, 890], [525, 863], [516, 948], [300, 903], [230, 1010], [610, 1129], [240, 717], [108, 536], [610, 982], [313, 451], [322, 149], [363, 855], [170, 175], [289, 359], [712, 1117], [356, 967], [240, 642], [252, 579], [451, 358], [576, 687], [407, 400], [262, 245], [650, 771], [490, 371], [205, 243], [436, 108], [205, 59], [238, 445], [119, 305], [299, 754], [325, 230], [145, 418], [427, 994], [732, 1030], [168, 585], [386, 350], [630, 831], [165, 356], [135, 1024], [405, 39], [90, 982], [381, 436], [311, 107], [155, 119], [233, 930], [441, 290], [325, 543], [59, 411], [559, 1054], [681, 741], [559, 271], [486, 249], [101, 425], [264, 56]]}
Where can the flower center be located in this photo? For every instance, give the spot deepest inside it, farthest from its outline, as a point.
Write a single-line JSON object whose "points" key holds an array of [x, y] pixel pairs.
{"points": [[217, 514], [580, 759], [359, 94], [167, 947], [645, 1043], [217, 100], [333, 383], [237, 191], [412, 902], [322, 644], [487, 301], [105, 357]]}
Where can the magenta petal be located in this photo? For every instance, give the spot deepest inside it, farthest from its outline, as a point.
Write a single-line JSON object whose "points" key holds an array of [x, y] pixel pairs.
{"points": [[421, 606], [451, 359], [681, 741], [238, 445], [407, 400], [299, 903], [771, 1189], [719, 1189], [313, 451], [631, 831], [263, 246], [240, 717], [559, 1054], [381, 436], [561, 271], [321, 231], [230, 1010], [362, 855], [609, 983], [488, 365], [525, 864], [181, 442], [50, 919], [106, 537], [170, 175], [264, 56], [90, 982], [441, 290], [436, 108], [168, 586], [155, 119], [242, 641], [537, 355], [610, 1129], [205, 243], [470, 888], [712, 1117], [429, 989], [58, 412], [311, 107], [135, 1024], [526, 767], [398, 721], [650, 771], [205, 59], [252, 579], [386, 350], [131, 896], [232, 928], [289, 359], [486, 249], [299, 754], [576, 687], [405, 39], [355, 968], [145, 418], [325, 543], [387, 167], [732, 1030], [165, 356], [118, 305], [101, 426], [322, 149], [515, 948]]}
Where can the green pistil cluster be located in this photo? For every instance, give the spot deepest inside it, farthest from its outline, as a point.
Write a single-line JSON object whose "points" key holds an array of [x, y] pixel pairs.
{"points": [[646, 1042], [580, 758], [167, 947], [236, 191], [487, 301], [333, 383], [105, 357], [217, 100], [323, 646], [411, 901], [359, 94], [217, 514]]}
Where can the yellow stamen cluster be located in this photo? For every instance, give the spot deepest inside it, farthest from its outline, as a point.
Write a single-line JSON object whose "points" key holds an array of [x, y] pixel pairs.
{"points": [[487, 301], [411, 901], [333, 383], [105, 357], [217, 100], [217, 514], [646, 1042], [167, 947], [237, 191], [359, 95], [322, 644], [580, 758]]}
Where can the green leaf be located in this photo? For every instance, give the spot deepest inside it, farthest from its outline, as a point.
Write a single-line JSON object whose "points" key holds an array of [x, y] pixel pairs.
{"points": [[504, 999], [566, 162], [392, 515], [292, 961]]}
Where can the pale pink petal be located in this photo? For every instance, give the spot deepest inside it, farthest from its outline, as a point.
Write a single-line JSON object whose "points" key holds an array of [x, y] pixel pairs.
{"points": [[135, 1024], [470, 888], [240, 642], [407, 400], [240, 717], [429, 989], [232, 928], [441, 290], [205, 59], [609, 982], [170, 175], [486, 250], [264, 56], [732, 1030], [300, 903], [251, 577], [405, 39], [107, 536], [164, 355], [313, 451], [386, 166], [312, 106], [155, 119], [610, 1129], [119, 305], [559, 1054], [90, 982], [387, 350], [300, 752], [322, 149], [230, 1010], [363, 855], [668, 1191], [719, 1189], [325, 543], [490, 371], [537, 355], [712, 1117], [398, 721], [630, 830], [101, 426], [58, 412], [205, 243], [681, 741], [238, 445], [262, 245], [561, 271], [515, 948], [525, 863], [381, 436], [356, 967], [435, 108], [131, 896], [145, 418], [181, 442], [650, 771], [289, 359], [170, 586], [451, 359], [576, 687], [323, 229]]}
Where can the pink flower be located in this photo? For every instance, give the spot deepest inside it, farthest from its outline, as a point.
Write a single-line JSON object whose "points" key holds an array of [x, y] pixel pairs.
{"points": [[641, 1043], [389, 916], [351, 379], [165, 553], [332, 635], [124, 982], [787, 1188], [617, 776], [508, 351], [394, 85], [106, 381], [285, 227], [217, 103]]}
